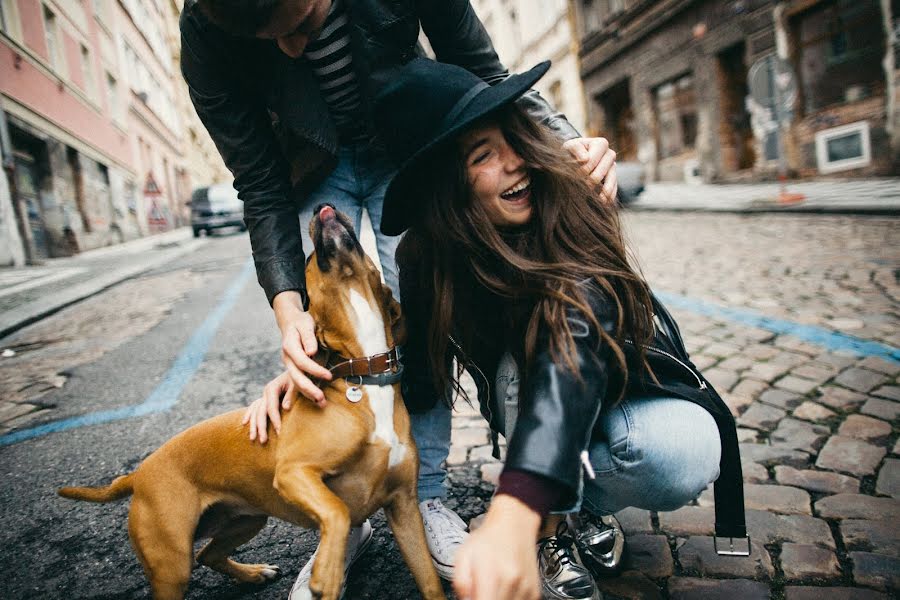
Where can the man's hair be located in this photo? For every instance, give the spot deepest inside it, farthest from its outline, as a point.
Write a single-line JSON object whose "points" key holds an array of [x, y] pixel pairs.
{"points": [[240, 17]]}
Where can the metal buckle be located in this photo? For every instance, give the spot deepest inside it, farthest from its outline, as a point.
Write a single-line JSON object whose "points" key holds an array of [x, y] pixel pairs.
{"points": [[392, 362], [731, 551]]}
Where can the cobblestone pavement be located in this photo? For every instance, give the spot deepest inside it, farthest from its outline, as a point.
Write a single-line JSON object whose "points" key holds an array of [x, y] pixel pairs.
{"points": [[818, 425]]}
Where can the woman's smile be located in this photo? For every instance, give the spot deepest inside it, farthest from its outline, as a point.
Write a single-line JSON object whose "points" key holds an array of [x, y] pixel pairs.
{"points": [[497, 176]]}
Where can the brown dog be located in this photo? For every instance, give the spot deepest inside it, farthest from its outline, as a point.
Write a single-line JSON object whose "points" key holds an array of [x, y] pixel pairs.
{"points": [[329, 468]]}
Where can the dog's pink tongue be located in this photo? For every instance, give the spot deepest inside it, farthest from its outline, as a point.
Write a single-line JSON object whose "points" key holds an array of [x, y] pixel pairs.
{"points": [[326, 214]]}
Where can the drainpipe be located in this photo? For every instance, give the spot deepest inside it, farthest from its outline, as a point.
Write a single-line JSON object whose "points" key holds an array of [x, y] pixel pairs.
{"points": [[890, 122], [9, 167]]}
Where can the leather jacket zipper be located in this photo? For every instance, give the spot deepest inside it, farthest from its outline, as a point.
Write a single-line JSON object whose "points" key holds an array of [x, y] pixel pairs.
{"points": [[700, 382], [487, 383]]}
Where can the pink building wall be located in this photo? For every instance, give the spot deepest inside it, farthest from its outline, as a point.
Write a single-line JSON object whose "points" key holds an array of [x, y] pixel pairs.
{"points": [[32, 19], [29, 85]]}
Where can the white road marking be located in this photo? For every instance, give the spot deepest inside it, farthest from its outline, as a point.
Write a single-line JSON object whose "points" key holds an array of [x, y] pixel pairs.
{"points": [[370, 333]]}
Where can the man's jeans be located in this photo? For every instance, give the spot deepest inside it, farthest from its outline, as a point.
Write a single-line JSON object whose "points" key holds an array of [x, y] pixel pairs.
{"points": [[360, 181], [651, 453]]}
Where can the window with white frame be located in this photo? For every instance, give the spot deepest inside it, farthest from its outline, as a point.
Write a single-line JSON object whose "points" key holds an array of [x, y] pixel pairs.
{"points": [[112, 97], [845, 147], [87, 67], [100, 10], [51, 35]]}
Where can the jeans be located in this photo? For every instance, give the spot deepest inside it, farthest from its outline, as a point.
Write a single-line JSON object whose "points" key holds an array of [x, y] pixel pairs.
{"points": [[647, 452], [359, 181]]}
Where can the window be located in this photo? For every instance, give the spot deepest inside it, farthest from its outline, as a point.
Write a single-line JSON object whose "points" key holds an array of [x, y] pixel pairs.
{"points": [[845, 147], [675, 104], [87, 68], [100, 10], [556, 96], [839, 46], [112, 97], [51, 35], [592, 17]]}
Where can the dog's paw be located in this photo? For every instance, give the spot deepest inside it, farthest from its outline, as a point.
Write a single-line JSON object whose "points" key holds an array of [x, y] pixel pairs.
{"points": [[270, 571], [256, 573]]}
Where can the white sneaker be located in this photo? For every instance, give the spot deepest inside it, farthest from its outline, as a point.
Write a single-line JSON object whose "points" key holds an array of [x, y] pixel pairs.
{"points": [[357, 543], [445, 532]]}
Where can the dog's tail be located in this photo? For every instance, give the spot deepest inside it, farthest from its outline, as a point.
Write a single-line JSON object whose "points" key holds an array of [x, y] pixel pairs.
{"points": [[118, 489]]}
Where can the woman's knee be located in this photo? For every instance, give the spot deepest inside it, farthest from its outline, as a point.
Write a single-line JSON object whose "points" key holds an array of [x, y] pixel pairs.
{"points": [[676, 449]]}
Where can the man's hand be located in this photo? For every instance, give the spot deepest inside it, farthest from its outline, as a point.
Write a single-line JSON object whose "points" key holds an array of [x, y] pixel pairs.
{"points": [[277, 395], [482, 573], [298, 345], [598, 161]]}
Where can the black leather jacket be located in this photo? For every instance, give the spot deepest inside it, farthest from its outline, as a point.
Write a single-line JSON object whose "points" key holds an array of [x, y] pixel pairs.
{"points": [[273, 129], [557, 412]]}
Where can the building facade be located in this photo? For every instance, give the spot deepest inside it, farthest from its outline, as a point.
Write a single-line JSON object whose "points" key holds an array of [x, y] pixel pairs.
{"points": [[95, 146], [736, 90], [525, 33]]}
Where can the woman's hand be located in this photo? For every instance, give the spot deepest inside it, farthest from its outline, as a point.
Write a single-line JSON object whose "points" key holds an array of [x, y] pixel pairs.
{"points": [[598, 161], [485, 573], [298, 345], [278, 395]]}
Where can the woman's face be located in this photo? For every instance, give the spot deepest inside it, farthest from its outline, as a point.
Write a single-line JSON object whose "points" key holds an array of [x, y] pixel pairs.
{"points": [[497, 175]]}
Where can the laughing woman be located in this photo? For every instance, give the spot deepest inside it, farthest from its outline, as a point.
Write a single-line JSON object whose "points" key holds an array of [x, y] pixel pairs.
{"points": [[514, 266]]}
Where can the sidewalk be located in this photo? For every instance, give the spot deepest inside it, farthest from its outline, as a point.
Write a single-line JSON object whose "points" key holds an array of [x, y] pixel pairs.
{"points": [[871, 196], [28, 294]]}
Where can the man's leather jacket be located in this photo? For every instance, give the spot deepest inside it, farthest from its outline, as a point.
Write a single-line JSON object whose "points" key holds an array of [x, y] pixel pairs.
{"points": [[557, 410], [273, 129]]}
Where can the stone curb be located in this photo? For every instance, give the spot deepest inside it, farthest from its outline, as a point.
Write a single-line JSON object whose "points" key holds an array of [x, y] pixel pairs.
{"points": [[21, 316]]}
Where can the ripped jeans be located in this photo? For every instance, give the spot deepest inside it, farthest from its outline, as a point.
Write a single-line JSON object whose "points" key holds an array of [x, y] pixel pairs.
{"points": [[647, 452]]}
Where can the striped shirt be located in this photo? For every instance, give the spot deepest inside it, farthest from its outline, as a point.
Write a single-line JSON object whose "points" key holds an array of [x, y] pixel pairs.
{"points": [[331, 59]]}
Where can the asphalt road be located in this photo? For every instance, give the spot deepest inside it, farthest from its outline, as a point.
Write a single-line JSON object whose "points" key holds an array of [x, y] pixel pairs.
{"points": [[51, 547]]}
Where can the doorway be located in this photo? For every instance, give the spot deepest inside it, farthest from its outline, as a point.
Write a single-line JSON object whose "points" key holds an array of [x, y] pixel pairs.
{"points": [[28, 192], [735, 133], [618, 120]]}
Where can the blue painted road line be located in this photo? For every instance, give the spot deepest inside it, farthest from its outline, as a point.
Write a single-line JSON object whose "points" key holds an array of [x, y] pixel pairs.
{"points": [[166, 394], [833, 341]]}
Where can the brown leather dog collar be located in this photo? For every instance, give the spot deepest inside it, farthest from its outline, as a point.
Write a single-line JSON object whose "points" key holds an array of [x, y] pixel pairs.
{"points": [[378, 369], [386, 362]]}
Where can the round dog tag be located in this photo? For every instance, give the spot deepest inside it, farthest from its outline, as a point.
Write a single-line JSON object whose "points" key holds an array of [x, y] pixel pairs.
{"points": [[354, 394]]}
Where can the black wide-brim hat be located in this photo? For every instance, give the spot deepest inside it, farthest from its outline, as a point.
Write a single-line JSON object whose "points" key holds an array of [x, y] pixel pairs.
{"points": [[423, 106]]}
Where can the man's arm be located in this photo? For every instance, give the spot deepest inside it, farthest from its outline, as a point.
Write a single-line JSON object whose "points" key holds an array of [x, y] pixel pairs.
{"points": [[240, 126], [458, 37]]}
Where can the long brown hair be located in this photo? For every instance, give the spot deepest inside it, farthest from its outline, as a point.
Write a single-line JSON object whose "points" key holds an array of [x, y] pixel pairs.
{"points": [[573, 236]]}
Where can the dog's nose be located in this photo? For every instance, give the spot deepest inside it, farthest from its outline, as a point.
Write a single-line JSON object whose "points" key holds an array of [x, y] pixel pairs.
{"points": [[326, 213]]}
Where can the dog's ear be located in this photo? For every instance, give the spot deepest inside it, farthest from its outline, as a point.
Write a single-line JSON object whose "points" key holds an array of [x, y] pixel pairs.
{"points": [[392, 309]]}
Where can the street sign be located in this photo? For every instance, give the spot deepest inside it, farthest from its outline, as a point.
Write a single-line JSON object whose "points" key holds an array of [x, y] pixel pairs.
{"points": [[772, 83], [773, 86]]}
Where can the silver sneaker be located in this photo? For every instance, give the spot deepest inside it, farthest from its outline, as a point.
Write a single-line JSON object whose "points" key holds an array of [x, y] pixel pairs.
{"points": [[562, 578], [445, 532], [601, 544], [357, 543]]}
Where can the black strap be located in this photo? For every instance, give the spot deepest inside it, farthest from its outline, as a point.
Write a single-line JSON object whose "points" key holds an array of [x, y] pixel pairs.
{"points": [[729, 487]]}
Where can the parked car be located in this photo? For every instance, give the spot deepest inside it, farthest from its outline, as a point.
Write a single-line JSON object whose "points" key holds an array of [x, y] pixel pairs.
{"points": [[631, 176], [214, 207]]}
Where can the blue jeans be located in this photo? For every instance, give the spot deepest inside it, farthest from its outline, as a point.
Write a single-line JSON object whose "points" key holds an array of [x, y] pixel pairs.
{"points": [[359, 181], [647, 452]]}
